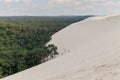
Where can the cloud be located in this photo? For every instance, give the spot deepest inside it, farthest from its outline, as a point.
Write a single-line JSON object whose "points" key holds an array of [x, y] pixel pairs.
{"points": [[9, 1], [14, 1], [62, 2], [111, 3], [51, 7], [106, 3], [26, 1]]}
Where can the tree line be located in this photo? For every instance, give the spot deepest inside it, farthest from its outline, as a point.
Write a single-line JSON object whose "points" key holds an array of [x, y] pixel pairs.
{"points": [[23, 40]]}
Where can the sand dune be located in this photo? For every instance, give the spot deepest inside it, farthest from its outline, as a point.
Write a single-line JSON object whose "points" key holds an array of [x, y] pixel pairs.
{"points": [[91, 51]]}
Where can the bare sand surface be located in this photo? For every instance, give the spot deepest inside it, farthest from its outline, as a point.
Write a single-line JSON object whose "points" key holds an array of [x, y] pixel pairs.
{"points": [[91, 51]]}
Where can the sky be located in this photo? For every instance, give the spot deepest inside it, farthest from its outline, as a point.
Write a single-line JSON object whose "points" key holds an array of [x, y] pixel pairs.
{"points": [[58, 7]]}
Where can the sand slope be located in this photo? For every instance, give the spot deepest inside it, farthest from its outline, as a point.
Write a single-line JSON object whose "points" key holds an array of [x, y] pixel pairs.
{"points": [[92, 50]]}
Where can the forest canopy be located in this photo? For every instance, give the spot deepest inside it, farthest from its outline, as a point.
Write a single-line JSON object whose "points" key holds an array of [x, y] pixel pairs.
{"points": [[23, 39]]}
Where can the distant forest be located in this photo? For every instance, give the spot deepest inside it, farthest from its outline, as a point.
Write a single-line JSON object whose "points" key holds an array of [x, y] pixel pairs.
{"points": [[23, 39]]}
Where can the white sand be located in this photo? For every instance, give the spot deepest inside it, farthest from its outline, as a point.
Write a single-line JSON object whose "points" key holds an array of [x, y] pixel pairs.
{"points": [[92, 50]]}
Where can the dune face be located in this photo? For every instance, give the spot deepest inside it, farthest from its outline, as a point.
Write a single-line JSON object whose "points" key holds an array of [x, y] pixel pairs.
{"points": [[91, 51]]}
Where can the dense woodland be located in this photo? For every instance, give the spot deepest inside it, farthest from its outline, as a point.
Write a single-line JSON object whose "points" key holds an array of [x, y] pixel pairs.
{"points": [[23, 39]]}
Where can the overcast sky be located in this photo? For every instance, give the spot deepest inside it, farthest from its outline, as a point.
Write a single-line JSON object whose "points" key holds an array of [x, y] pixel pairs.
{"points": [[58, 7]]}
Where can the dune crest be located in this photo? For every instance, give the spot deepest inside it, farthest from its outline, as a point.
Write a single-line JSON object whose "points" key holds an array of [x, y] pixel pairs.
{"points": [[92, 50]]}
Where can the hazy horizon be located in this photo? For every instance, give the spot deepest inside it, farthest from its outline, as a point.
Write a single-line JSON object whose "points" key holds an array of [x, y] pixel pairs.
{"points": [[58, 7]]}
